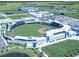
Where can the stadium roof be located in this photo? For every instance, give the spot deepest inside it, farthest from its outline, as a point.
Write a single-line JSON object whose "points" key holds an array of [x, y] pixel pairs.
{"points": [[29, 38]]}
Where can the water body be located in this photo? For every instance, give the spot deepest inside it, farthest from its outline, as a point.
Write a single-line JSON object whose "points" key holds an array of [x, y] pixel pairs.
{"points": [[15, 54]]}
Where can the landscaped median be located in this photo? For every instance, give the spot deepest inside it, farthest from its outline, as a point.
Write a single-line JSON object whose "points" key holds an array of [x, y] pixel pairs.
{"points": [[68, 48]]}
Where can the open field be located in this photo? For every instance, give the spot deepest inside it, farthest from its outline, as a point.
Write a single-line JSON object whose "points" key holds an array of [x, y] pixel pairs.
{"points": [[14, 5], [28, 30], [74, 15], [63, 49], [17, 16], [9, 6]]}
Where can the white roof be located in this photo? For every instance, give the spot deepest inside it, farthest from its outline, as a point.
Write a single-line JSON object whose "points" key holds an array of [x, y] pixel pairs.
{"points": [[29, 38], [39, 38], [39, 14], [5, 20], [20, 37], [28, 18]]}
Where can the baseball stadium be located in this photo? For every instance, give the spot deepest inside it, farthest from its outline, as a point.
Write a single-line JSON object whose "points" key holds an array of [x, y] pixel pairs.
{"points": [[45, 30], [37, 30]]}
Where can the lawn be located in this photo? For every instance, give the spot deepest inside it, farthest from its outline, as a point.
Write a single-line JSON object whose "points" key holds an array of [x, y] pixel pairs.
{"points": [[2, 17], [73, 15], [10, 6], [17, 16], [13, 48], [63, 49], [28, 30]]}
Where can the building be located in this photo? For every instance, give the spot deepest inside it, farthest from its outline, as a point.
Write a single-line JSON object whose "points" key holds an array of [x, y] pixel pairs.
{"points": [[29, 42], [3, 43], [39, 14]]}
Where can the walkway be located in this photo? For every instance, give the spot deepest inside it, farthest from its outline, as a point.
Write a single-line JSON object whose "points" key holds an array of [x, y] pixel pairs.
{"points": [[43, 52], [5, 20]]}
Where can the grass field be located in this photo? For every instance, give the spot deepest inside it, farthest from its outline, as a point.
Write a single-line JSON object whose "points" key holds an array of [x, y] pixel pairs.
{"points": [[15, 48], [2, 17], [9, 6], [63, 49], [17, 16], [28, 30]]}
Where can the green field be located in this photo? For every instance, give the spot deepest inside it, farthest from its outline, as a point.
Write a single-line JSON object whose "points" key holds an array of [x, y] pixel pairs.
{"points": [[17, 16], [9, 6], [13, 48], [2, 17], [28, 30], [63, 49]]}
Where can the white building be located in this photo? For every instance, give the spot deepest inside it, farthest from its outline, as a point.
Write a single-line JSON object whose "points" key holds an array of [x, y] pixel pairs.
{"points": [[39, 14]]}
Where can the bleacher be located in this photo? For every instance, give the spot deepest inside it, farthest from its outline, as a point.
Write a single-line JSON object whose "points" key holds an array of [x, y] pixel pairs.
{"points": [[56, 25], [17, 24]]}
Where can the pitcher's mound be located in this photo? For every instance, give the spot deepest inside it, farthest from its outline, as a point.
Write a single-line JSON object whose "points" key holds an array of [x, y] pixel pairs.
{"points": [[41, 30]]}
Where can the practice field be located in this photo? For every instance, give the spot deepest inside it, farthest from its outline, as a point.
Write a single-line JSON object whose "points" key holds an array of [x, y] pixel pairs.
{"points": [[68, 48], [28, 30]]}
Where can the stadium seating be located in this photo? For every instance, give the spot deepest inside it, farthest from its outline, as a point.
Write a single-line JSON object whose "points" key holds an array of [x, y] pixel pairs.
{"points": [[17, 24], [54, 24]]}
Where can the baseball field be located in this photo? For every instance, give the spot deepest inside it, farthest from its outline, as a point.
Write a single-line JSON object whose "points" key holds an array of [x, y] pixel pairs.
{"points": [[28, 30]]}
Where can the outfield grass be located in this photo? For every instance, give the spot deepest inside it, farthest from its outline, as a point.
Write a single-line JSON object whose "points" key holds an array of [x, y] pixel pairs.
{"points": [[28, 30], [64, 49]]}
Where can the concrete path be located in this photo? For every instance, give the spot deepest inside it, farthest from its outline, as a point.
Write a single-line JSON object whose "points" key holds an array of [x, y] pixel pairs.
{"points": [[43, 52]]}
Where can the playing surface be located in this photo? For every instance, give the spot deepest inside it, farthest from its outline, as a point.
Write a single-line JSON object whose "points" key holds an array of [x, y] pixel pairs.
{"points": [[28, 30], [64, 49]]}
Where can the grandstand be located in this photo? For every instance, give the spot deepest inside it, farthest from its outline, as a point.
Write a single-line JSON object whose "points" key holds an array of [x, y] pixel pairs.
{"points": [[58, 31]]}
